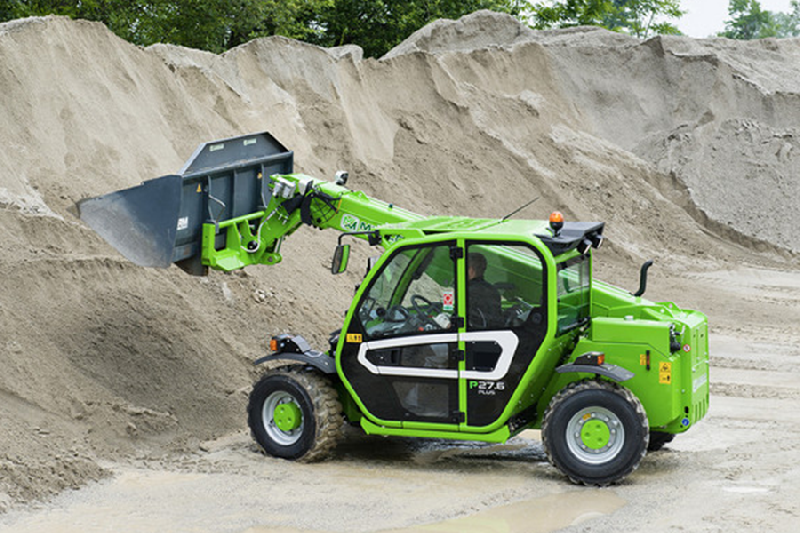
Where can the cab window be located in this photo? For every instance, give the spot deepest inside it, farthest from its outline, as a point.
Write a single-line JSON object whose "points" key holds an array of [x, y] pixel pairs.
{"points": [[505, 286], [414, 293], [574, 289]]}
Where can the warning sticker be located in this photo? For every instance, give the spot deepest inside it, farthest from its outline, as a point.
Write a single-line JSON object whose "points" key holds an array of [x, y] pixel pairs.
{"points": [[353, 337], [665, 373], [643, 359], [448, 301]]}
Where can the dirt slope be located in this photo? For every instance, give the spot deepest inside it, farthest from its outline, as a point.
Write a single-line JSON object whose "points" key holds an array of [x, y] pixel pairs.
{"points": [[682, 146]]}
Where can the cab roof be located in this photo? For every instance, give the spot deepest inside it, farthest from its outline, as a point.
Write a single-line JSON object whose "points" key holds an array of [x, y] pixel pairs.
{"points": [[569, 237]]}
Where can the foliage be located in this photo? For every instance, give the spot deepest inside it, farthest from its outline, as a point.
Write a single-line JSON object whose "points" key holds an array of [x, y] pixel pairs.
{"points": [[750, 21], [636, 17], [641, 18], [788, 24], [547, 15], [218, 25], [378, 26], [214, 25]]}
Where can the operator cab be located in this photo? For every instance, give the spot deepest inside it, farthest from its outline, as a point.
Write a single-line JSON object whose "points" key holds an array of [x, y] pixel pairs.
{"points": [[438, 321], [446, 326]]}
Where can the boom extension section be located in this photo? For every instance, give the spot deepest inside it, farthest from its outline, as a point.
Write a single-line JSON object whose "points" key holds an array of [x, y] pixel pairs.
{"points": [[231, 205]]}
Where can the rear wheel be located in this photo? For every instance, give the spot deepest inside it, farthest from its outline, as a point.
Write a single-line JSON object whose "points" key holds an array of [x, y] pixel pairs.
{"points": [[595, 432], [294, 414]]}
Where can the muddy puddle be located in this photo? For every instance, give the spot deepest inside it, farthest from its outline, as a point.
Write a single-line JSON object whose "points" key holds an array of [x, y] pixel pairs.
{"points": [[549, 513]]}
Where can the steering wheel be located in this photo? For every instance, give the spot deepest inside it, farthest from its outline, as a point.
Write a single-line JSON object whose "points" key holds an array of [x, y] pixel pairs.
{"points": [[428, 311]]}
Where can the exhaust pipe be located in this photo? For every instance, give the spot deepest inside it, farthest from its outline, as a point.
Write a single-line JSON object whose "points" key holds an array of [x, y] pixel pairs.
{"points": [[643, 278]]}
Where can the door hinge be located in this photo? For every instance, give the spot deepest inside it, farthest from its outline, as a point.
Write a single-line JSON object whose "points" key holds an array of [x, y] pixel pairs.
{"points": [[457, 322], [456, 252], [460, 355], [459, 417]]}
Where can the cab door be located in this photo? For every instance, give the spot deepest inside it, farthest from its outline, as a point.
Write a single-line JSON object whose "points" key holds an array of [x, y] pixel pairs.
{"points": [[506, 323], [401, 355]]}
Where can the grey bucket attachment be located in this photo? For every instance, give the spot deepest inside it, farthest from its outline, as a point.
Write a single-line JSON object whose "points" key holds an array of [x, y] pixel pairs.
{"points": [[141, 223], [161, 221]]}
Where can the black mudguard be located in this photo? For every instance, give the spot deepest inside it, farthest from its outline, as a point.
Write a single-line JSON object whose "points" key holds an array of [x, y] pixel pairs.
{"points": [[322, 361], [616, 373], [296, 348]]}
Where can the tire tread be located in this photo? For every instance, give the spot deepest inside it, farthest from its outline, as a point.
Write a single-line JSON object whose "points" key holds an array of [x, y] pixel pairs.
{"points": [[328, 417]]}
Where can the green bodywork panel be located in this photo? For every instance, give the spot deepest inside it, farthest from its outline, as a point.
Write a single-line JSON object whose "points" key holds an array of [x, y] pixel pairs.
{"points": [[499, 436], [675, 388]]}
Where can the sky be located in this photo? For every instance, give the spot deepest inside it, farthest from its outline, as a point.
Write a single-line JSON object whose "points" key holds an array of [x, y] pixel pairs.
{"points": [[707, 17]]}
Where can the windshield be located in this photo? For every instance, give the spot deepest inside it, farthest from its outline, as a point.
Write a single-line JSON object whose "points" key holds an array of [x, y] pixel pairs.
{"points": [[574, 287]]}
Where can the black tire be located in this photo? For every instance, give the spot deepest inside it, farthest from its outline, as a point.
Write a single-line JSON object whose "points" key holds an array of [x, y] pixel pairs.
{"points": [[658, 439], [595, 432], [305, 404]]}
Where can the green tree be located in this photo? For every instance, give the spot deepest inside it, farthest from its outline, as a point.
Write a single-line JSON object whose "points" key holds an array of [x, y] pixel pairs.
{"points": [[749, 21], [218, 25], [119, 15], [8, 10], [788, 24], [214, 25], [642, 18], [570, 13], [379, 25]]}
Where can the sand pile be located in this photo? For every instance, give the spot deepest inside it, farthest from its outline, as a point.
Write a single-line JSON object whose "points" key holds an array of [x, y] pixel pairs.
{"points": [[681, 146]]}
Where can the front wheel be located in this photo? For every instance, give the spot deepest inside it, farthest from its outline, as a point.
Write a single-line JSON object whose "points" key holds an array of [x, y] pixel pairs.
{"points": [[595, 432], [294, 414]]}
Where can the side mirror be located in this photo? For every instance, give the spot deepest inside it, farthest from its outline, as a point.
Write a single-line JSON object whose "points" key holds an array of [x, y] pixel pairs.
{"points": [[340, 257]]}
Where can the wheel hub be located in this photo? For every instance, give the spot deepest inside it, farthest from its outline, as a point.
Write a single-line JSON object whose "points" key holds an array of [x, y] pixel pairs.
{"points": [[595, 435], [282, 418], [287, 416]]}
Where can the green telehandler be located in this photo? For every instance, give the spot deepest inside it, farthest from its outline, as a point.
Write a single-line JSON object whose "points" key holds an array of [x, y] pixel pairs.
{"points": [[462, 328]]}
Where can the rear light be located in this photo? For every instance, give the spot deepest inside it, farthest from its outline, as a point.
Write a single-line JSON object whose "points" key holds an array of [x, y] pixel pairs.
{"points": [[591, 359]]}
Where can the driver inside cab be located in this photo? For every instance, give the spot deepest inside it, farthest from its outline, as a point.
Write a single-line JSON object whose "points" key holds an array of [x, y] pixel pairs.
{"points": [[484, 310]]}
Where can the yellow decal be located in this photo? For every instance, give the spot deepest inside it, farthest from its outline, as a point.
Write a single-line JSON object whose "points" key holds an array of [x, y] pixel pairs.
{"points": [[665, 373], [353, 337], [199, 188], [643, 359]]}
